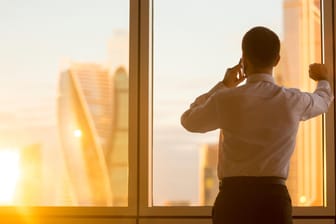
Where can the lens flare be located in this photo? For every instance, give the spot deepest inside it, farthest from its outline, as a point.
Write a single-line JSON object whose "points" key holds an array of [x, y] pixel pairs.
{"points": [[77, 133]]}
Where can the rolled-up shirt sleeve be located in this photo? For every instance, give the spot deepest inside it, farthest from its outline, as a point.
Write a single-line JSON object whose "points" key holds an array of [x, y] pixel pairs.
{"points": [[318, 102]]}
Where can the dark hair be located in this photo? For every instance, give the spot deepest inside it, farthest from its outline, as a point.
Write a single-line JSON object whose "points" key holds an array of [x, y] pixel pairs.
{"points": [[261, 46]]}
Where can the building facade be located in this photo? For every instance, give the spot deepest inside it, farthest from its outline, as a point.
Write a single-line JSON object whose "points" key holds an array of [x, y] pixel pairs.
{"points": [[92, 130]]}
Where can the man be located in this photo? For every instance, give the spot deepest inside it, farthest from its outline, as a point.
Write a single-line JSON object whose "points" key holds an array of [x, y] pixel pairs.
{"points": [[258, 122]]}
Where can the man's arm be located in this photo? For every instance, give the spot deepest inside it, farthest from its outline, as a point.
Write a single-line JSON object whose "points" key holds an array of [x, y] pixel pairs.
{"points": [[319, 101], [202, 114]]}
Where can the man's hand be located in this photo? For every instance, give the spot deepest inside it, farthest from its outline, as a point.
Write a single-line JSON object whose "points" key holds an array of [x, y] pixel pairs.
{"points": [[234, 76], [318, 71]]}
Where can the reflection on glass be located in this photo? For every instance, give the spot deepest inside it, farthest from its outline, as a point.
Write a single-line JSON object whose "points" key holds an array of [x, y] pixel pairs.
{"points": [[64, 120], [189, 57]]}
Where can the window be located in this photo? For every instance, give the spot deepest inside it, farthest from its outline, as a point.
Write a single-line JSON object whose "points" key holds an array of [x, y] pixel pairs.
{"points": [[92, 93], [192, 50], [65, 86]]}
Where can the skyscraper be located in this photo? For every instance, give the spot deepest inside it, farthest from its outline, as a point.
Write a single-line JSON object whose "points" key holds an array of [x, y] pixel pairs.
{"points": [[30, 187], [117, 155], [208, 174], [92, 129]]}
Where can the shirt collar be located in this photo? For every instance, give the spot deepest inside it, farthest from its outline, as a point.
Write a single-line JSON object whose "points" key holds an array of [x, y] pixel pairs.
{"points": [[260, 77]]}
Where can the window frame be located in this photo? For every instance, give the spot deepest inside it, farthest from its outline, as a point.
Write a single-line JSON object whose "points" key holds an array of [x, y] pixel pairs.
{"points": [[140, 208], [146, 206], [130, 211]]}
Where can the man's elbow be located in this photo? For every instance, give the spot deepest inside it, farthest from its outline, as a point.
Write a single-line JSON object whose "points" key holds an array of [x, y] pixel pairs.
{"points": [[327, 102], [192, 126], [187, 125]]}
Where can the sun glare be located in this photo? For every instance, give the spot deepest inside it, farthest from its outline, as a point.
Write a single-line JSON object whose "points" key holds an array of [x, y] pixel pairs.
{"points": [[77, 133], [9, 174]]}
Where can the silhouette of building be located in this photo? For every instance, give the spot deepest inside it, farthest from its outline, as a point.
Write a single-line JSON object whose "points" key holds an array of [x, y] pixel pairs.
{"points": [[208, 174], [94, 134], [29, 189], [117, 155], [118, 50]]}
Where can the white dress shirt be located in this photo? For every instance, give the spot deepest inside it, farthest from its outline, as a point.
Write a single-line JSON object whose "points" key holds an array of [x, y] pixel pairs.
{"points": [[258, 121]]}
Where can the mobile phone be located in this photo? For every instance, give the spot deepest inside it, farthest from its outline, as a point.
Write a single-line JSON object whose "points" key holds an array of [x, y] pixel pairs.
{"points": [[243, 68]]}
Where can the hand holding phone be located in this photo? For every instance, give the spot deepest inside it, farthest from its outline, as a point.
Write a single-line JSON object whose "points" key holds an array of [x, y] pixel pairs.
{"points": [[234, 75]]}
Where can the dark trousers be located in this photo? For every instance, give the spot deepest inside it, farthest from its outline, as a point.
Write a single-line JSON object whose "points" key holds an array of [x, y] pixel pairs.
{"points": [[250, 201]]}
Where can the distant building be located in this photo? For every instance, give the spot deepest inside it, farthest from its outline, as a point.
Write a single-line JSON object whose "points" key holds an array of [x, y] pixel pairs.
{"points": [[118, 50], [117, 155], [92, 111], [30, 188], [208, 174]]}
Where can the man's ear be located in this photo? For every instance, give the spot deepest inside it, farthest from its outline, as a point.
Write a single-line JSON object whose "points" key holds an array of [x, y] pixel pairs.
{"points": [[276, 62]]}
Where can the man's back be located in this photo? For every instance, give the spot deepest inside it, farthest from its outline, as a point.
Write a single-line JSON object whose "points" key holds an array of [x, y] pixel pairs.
{"points": [[259, 121]]}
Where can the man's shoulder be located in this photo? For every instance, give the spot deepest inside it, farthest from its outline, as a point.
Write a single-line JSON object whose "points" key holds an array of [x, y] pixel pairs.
{"points": [[232, 93]]}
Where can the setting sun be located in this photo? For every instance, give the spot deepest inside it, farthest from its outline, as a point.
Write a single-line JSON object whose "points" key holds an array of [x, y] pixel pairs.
{"points": [[9, 174]]}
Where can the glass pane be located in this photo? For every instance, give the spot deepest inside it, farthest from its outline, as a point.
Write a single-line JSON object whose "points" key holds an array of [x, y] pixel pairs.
{"points": [[192, 50], [64, 91]]}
